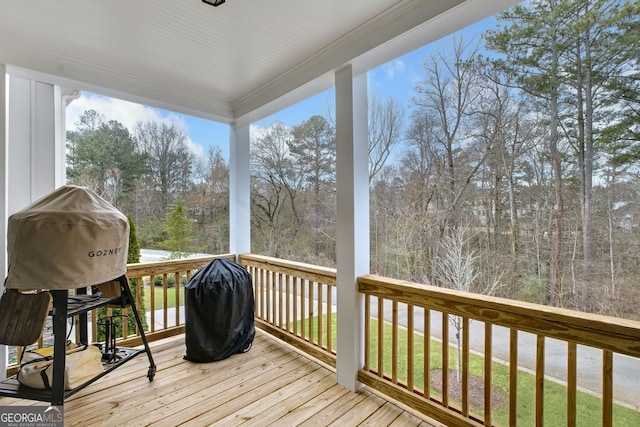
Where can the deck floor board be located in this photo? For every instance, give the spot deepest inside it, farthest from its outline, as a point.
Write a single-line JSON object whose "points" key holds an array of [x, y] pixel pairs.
{"points": [[272, 384]]}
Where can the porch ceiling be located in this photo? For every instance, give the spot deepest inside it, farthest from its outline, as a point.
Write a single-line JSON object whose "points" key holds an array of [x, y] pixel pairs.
{"points": [[236, 61]]}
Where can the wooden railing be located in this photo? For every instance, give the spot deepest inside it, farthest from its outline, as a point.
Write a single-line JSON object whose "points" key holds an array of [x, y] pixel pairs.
{"points": [[412, 332], [400, 361], [294, 302]]}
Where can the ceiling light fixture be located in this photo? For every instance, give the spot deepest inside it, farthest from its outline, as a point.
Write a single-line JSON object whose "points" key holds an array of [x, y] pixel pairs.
{"points": [[215, 3]]}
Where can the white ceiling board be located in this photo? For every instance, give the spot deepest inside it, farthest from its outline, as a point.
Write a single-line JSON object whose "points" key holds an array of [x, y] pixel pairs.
{"points": [[226, 62]]}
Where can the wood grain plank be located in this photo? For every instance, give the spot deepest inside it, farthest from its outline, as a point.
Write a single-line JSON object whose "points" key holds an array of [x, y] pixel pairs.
{"points": [[212, 410], [282, 407], [384, 416], [328, 414], [270, 385], [179, 395], [360, 412], [311, 407]]}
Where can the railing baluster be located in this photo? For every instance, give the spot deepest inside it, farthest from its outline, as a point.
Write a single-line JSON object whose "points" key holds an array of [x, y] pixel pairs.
{"points": [[607, 388], [281, 294], [330, 319], [488, 371], [445, 359], [310, 285], [263, 293], [287, 321], [410, 351], [367, 332], [125, 322], [465, 366], [394, 342], [165, 300], [572, 382], [513, 377], [295, 282], [539, 380], [152, 302], [273, 281], [270, 295], [139, 291], [177, 299], [303, 315], [380, 336], [94, 328], [426, 351], [256, 290], [320, 311]]}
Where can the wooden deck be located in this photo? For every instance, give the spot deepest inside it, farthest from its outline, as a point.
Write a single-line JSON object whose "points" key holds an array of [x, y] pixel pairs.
{"points": [[270, 385]]}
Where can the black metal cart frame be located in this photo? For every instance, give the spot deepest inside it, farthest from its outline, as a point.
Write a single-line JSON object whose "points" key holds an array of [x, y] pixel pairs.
{"points": [[60, 312]]}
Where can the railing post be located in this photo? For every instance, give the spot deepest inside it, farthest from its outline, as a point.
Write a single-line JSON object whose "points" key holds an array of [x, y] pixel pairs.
{"points": [[352, 176]]}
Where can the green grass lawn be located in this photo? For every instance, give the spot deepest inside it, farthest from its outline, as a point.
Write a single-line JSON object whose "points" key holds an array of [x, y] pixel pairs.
{"points": [[588, 407], [159, 298]]}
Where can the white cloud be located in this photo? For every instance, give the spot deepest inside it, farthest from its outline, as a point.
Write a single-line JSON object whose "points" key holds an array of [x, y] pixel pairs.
{"points": [[129, 114], [394, 67]]}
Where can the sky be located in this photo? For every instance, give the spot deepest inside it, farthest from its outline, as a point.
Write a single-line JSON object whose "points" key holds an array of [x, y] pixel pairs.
{"points": [[396, 79]]}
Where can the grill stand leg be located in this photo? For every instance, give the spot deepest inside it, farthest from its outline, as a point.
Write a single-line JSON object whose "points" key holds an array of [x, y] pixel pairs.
{"points": [[126, 292], [59, 345]]}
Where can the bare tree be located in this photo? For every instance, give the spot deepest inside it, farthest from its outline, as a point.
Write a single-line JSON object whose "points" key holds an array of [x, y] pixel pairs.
{"points": [[449, 96], [276, 189], [385, 131], [168, 160], [456, 269]]}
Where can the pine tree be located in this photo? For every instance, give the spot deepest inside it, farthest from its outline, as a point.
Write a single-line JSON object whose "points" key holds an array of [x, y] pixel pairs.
{"points": [[179, 230]]}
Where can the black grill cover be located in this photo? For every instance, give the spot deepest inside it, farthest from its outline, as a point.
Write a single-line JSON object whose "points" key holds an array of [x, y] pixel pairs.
{"points": [[219, 312]]}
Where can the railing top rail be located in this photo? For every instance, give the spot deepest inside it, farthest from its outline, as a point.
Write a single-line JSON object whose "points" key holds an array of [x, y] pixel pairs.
{"points": [[278, 265], [611, 333], [171, 266]]}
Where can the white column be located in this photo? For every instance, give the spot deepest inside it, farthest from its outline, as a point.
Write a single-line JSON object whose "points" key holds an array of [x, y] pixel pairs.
{"points": [[32, 131], [29, 140], [352, 177], [63, 97], [3, 196], [239, 190]]}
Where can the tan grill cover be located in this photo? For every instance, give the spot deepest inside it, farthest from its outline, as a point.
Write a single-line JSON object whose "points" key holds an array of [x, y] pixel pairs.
{"points": [[69, 239]]}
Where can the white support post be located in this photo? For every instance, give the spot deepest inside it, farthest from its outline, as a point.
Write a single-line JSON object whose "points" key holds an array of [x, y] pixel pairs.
{"points": [[31, 148], [352, 175], [32, 131], [63, 97], [3, 195], [239, 190]]}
